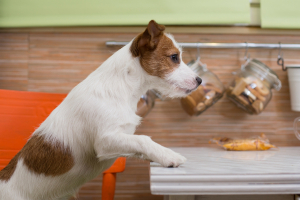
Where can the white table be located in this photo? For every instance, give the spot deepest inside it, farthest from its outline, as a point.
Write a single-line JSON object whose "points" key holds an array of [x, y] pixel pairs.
{"points": [[237, 174]]}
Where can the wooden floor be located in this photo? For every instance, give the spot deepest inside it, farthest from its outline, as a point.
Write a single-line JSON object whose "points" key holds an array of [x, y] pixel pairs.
{"points": [[56, 59]]}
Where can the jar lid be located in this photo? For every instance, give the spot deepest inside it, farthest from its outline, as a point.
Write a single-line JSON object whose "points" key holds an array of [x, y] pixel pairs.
{"points": [[264, 72]]}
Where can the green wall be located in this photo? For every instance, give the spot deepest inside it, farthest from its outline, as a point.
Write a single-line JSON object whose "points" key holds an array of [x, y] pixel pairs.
{"points": [[33, 13]]}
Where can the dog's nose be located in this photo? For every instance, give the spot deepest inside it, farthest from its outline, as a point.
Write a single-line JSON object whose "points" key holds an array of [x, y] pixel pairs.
{"points": [[199, 80]]}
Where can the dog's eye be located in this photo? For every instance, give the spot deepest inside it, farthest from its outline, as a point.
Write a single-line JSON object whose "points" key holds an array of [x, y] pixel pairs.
{"points": [[174, 58]]}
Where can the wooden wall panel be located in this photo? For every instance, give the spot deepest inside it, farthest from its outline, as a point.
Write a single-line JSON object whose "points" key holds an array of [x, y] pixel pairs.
{"points": [[56, 59], [14, 61]]}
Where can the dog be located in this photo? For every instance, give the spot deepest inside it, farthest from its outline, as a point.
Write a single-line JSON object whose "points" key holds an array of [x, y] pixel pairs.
{"points": [[96, 122]]}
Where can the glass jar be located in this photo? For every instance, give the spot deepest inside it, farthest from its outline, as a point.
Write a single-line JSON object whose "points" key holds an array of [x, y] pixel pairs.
{"points": [[146, 103], [251, 88], [206, 95]]}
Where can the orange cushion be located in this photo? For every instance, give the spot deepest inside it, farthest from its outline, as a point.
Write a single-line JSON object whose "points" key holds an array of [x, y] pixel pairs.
{"points": [[21, 112]]}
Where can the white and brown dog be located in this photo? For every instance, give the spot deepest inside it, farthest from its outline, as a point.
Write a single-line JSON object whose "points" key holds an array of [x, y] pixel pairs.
{"points": [[96, 122]]}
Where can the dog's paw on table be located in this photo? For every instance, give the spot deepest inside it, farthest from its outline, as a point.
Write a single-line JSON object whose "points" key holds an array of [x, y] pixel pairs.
{"points": [[171, 159]]}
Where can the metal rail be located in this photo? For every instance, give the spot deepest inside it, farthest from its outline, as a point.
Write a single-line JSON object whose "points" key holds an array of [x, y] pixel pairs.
{"points": [[224, 45]]}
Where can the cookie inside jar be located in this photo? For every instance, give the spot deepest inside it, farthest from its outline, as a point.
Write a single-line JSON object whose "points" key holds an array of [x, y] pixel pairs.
{"points": [[208, 93], [249, 92]]}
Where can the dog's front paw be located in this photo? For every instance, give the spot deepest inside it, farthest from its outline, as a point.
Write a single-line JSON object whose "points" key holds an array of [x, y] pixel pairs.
{"points": [[172, 159]]}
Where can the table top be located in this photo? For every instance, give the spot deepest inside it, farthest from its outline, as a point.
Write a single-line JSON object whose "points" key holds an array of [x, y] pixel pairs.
{"points": [[216, 171]]}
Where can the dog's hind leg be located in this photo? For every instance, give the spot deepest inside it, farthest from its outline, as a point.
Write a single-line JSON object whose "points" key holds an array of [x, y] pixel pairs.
{"points": [[122, 144]]}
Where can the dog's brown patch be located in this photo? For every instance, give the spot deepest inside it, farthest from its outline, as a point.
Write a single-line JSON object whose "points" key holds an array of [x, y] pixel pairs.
{"points": [[155, 50], [50, 159], [41, 157]]}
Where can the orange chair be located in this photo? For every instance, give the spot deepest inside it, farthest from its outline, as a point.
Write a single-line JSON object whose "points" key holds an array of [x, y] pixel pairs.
{"points": [[21, 112]]}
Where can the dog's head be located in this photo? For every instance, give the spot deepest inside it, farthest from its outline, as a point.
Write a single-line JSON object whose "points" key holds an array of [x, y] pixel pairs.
{"points": [[160, 57]]}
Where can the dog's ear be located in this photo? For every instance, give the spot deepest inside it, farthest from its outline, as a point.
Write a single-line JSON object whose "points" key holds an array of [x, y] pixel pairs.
{"points": [[147, 40]]}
